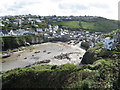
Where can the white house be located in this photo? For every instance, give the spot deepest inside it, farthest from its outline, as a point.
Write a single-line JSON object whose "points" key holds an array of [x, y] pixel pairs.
{"points": [[4, 33], [11, 33], [20, 32], [108, 43], [1, 34], [28, 32], [46, 35], [117, 37], [56, 27], [38, 20], [2, 24], [39, 30]]}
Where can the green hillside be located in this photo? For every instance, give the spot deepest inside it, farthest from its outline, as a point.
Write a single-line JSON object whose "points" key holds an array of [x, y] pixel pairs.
{"points": [[96, 24], [68, 24], [87, 25]]}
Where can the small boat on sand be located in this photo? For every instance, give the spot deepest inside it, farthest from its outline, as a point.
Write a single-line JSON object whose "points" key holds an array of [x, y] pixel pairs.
{"points": [[6, 55]]}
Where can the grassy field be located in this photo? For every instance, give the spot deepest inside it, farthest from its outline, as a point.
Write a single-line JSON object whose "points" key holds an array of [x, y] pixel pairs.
{"points": [[68, 24], [101, 25], [87, 25]]}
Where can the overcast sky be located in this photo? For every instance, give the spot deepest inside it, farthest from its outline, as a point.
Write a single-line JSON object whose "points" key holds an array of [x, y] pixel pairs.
{"points": [[104, 8]]}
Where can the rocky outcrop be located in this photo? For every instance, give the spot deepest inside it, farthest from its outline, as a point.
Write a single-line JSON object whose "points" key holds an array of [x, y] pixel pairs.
{"points": [[86, 45], [62, 56], [88, 58], [93, 54]]}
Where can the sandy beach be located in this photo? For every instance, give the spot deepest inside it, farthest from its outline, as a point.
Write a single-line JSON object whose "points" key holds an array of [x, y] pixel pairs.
{"points": [[41, 52]]}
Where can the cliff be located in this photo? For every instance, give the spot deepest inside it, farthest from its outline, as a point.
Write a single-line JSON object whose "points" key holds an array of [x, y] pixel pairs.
{"points": [[13, 42]]}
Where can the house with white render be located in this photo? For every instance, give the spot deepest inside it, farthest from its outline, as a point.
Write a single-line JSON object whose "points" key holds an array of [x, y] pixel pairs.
{"points": [[108, 43]]}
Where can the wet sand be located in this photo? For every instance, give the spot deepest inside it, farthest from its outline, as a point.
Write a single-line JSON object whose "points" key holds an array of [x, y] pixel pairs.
{"points": [[41, 52]]}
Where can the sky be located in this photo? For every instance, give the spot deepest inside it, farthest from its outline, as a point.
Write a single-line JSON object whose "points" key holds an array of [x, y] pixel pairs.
{"points": [[103, 8]]}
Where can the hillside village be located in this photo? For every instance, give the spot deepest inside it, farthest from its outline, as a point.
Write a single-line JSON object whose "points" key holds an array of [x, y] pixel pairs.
{"points": [[35, 25], [60, 44], [59, 52]]}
